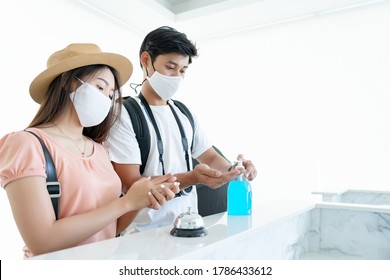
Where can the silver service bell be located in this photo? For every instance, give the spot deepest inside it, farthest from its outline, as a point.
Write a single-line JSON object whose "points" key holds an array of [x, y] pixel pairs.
{"points": [[189, 224]]}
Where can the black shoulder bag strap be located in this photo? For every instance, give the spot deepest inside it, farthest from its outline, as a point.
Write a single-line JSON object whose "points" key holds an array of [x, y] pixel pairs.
{"points": [[160, 146], [52, 184], [183, 108], [184, 140], [140, 127]]}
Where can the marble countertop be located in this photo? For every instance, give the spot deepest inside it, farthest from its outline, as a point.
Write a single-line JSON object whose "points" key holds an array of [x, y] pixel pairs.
{"points": [[159, 244], [357, 207]]}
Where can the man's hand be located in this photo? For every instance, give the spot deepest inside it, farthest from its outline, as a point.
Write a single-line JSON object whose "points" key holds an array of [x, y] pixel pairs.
{"points": [[213, 178], [250, 169]]}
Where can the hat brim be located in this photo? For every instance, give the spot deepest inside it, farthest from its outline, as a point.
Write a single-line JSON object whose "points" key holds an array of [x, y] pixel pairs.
{"points": [[40, 85]]}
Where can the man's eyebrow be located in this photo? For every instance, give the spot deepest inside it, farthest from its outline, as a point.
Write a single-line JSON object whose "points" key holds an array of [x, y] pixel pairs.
{"points": [[176, 64]]}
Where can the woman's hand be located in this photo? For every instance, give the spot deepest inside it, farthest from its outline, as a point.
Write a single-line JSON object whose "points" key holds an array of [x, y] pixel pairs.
{"points": [[161, 195], [152, 193]]}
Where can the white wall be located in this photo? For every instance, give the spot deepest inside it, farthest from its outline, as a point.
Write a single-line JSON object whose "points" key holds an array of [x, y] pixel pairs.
{"points": [[306, 101], [31, 31]]}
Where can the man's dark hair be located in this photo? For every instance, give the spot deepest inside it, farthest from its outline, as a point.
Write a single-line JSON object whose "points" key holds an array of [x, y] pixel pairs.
{"points": [[164, 40]]}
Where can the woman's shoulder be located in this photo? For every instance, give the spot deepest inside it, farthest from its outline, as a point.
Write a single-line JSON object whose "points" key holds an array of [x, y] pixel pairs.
{"points": [[22, 136], [20, 155], [22, 142], [15, 138]]}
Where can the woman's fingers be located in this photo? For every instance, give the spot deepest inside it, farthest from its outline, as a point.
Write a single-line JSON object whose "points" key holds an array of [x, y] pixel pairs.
{"points": [[157, 199], [154, 204], [164, 178]]}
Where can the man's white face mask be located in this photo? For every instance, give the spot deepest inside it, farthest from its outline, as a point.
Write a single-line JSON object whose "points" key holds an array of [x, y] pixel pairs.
{"points": [[91, 105], [165, 86]]}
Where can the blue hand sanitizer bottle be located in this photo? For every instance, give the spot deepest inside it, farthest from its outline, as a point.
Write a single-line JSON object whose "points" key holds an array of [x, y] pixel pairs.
{"points": [[239, 197]]}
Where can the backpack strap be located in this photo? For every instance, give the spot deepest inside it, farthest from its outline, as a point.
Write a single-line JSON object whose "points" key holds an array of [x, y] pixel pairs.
{"points": [[52, 184], [141, 128]]}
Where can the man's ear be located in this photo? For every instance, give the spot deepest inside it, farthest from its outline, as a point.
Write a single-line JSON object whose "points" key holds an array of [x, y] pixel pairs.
{"points": [[145, 59]]}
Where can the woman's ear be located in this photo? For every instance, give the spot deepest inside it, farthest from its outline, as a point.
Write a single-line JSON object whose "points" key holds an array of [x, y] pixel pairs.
{"points": [[68, 83], [75, 84]]}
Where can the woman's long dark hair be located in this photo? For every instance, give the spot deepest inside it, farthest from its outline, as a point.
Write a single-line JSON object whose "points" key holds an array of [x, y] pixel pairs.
{"points": [[57, 101]]}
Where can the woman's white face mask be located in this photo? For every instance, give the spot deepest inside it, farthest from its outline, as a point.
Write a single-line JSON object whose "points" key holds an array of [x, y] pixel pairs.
{"points": [[91, 105], [165, 86]]}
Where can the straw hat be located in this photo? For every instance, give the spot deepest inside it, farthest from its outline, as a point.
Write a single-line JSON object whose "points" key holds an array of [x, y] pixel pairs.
{"points": [[74, 56]]}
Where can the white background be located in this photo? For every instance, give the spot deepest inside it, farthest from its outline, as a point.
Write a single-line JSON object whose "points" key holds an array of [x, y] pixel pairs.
{"points": [[307, 102]]}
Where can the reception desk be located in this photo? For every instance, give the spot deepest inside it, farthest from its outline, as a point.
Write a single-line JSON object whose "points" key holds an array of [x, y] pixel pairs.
{"points": [[224, 238], [280, 230]]}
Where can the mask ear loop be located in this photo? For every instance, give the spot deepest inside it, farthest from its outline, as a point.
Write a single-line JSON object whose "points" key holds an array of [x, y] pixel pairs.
{"points": [[151, 62], [135, 86], [79, 80]]}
